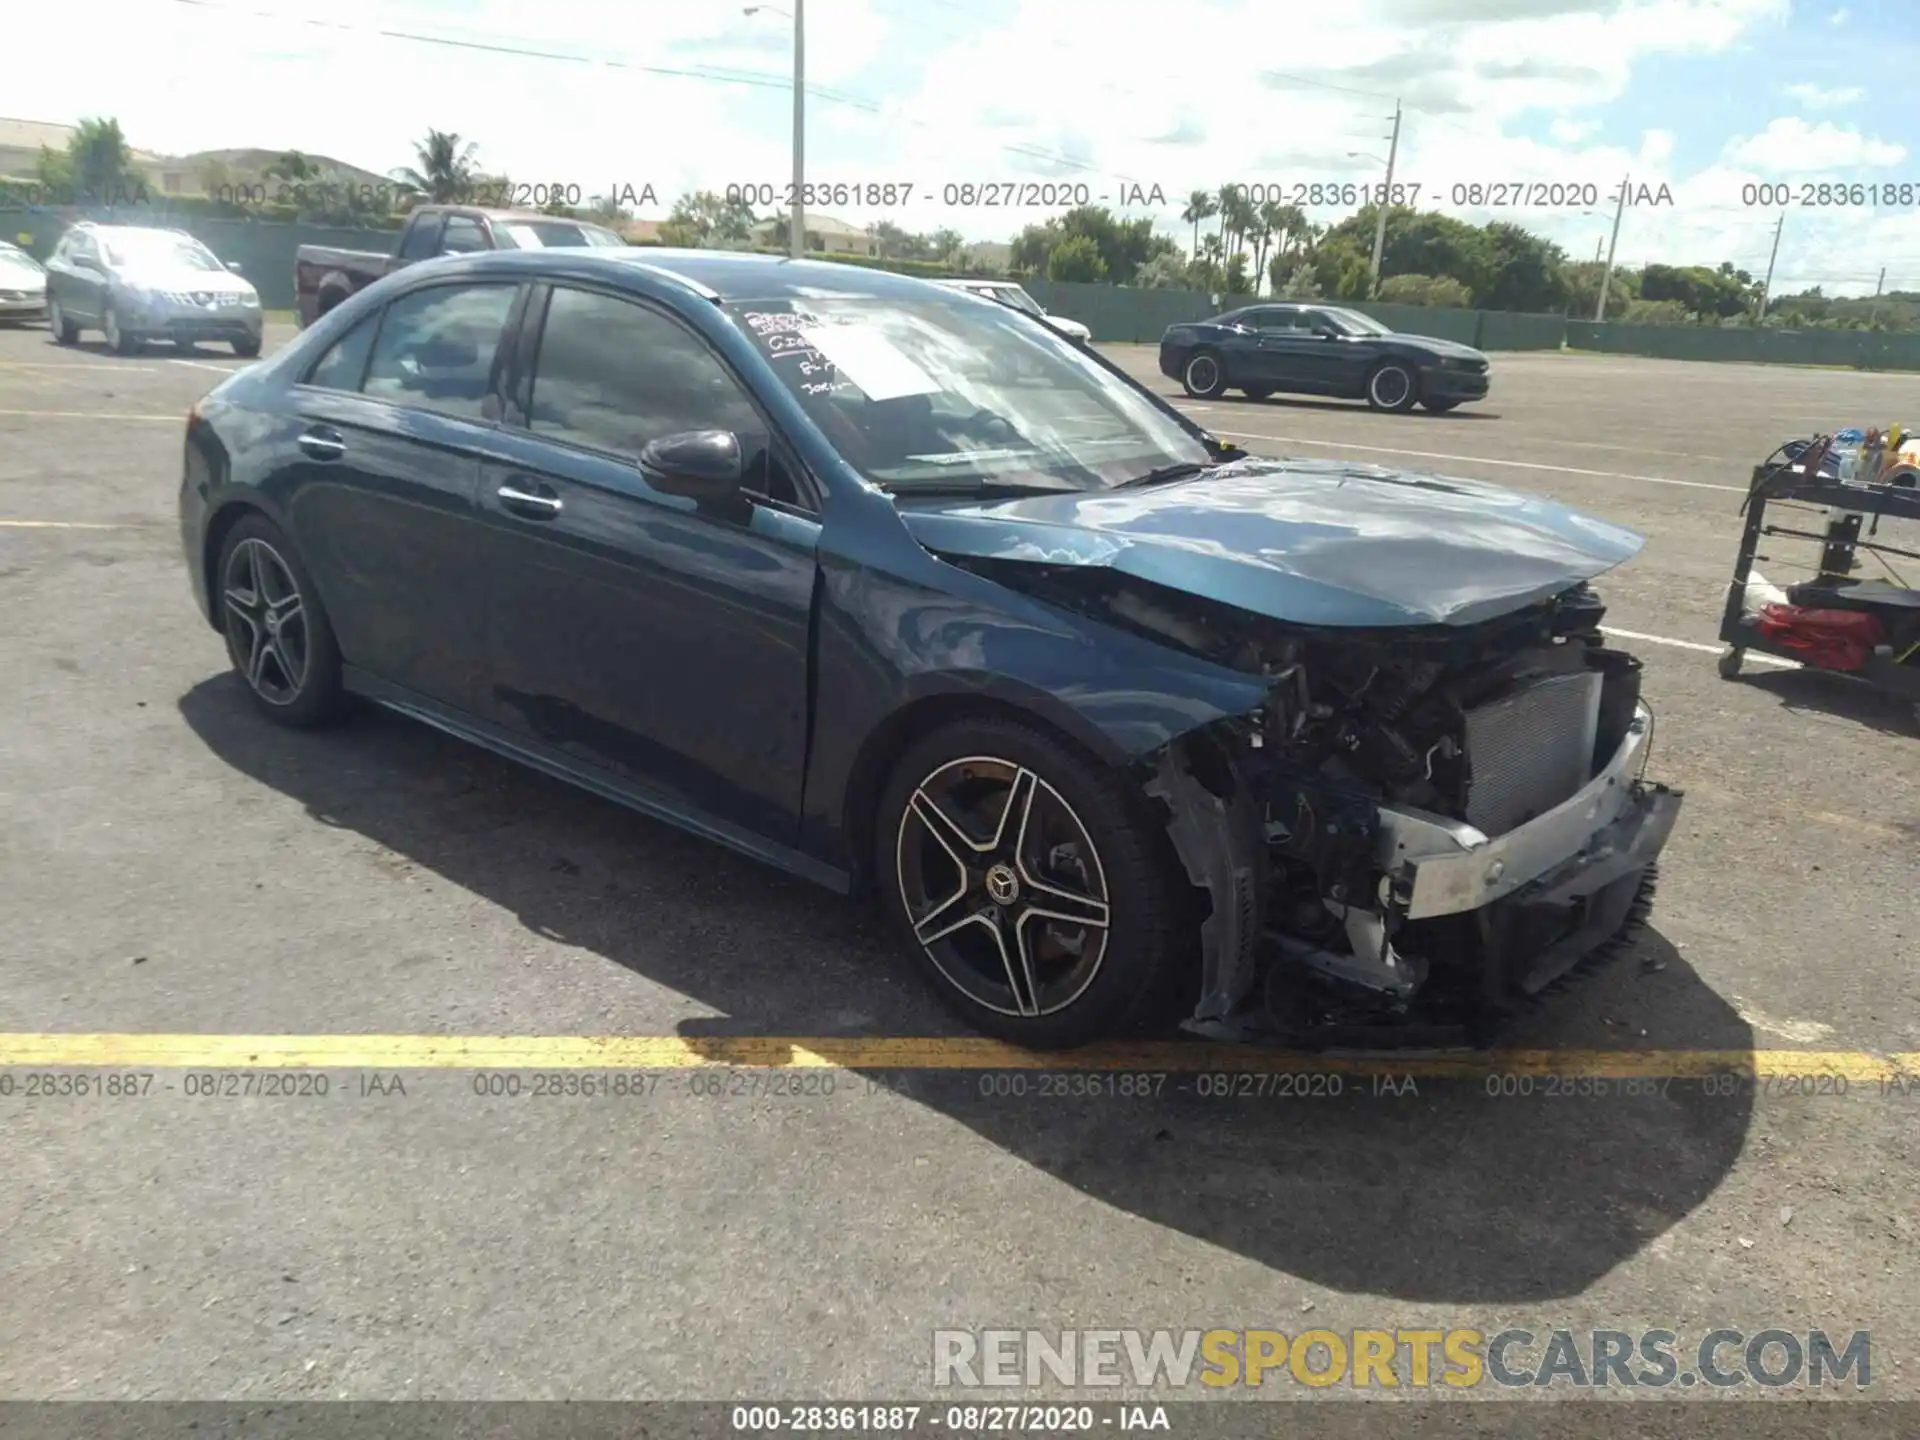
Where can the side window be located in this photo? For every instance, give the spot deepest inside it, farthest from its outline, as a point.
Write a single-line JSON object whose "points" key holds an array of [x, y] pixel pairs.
{"points": [[1315, 320], [435, 348], [612, 375], [421, 238], [346, 359], [463, 236]]}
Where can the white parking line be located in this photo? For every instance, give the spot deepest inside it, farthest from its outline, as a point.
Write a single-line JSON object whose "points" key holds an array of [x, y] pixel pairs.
{"points": [[92, 415], [59, 525], [203, 365], [74, 365], [1752, 655], [1480, 460]]}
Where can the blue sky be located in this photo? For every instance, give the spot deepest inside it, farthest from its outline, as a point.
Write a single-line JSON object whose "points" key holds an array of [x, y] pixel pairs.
{"points": [[1700, 96]]}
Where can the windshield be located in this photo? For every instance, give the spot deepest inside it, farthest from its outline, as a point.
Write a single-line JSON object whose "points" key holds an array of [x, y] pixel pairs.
{"points": [[1354, 323], [551, 235], [158, 248], [937, 392], [1016, 297]]}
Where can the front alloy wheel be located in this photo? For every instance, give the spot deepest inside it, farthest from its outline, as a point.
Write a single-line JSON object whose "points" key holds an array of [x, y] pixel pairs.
{"points": [[120, 341], [1031, 884], [1003, 886], [1392, 388], [1203, 376]]}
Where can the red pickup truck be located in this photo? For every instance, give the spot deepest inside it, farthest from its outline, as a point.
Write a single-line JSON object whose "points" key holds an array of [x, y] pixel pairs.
{"points": [[324, 276]]}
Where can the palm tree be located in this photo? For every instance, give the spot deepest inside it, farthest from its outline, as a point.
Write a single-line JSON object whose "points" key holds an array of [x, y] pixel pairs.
{"points": [[1226, 204], [1212, 249], [1200, 206], [445, 167]]}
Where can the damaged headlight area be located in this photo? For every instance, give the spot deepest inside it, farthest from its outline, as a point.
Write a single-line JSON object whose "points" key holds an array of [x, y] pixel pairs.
{"points": [[1419, 829]]}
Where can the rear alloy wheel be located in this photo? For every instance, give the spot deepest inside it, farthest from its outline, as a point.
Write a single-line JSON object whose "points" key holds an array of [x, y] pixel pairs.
{"points": [[1391, 387], [120, 341], [278, 635], [65, 332], [1203, 376], [1028, 887], [247, 349]]}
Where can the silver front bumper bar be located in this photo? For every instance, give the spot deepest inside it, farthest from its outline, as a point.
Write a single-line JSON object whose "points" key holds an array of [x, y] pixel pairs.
{"points": [[1436, 866]]}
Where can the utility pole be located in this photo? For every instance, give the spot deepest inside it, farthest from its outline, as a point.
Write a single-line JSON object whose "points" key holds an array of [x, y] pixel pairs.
{"points": [[1386, 196], [798, 223], [1766, 286], [1599, 244], [1874, 316], [1606, 278]]}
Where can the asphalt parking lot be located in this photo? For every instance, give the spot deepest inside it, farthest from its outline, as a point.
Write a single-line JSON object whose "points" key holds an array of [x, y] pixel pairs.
{"points": [[173, 867]]}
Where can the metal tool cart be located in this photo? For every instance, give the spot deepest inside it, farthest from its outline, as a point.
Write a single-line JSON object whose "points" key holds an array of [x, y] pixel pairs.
{"points": [[1841, 621]]}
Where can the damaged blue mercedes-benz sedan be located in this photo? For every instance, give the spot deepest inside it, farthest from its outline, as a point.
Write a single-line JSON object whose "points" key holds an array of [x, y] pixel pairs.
{"points": [[895, 588]]}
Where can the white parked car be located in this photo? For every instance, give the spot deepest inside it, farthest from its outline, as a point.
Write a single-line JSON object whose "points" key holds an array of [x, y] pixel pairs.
{"points": [[1008, 292], [23, 285]]}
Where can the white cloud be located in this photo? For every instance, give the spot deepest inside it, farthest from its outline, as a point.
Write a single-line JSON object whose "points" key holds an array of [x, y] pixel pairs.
{"points": [[1571, 132], [1839, 17], [1790, 146], [1825, 97]]}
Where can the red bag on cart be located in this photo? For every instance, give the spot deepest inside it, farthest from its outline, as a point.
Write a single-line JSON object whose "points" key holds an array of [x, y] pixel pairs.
{"points": [[1825, 639]]}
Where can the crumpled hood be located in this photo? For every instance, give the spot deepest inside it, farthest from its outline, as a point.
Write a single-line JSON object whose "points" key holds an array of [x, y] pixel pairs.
{"points": [[1309, 541]]}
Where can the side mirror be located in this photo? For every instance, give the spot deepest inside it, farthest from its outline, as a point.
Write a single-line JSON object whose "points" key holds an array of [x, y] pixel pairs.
{"points": [[699, 464], [233, 266], [1326, 332]]}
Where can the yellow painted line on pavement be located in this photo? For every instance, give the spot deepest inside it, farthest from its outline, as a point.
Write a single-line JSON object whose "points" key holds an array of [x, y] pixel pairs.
{"points": [[180, 419], [680, 1052]]}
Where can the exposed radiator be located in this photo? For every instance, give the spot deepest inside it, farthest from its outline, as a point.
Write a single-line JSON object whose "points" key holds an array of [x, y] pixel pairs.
{"points": [[1531, 749]]}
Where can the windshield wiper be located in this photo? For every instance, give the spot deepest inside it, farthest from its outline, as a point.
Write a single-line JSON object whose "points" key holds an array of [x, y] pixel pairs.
{"points": [[978, 485], [1164, 474]]}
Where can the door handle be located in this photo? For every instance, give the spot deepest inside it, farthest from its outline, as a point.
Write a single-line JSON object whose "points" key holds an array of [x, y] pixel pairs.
{"points": [[323, 443], [534, 507]]}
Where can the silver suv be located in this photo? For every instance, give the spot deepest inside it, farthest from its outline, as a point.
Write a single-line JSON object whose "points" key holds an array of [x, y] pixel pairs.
{"points": [[134, 284]]}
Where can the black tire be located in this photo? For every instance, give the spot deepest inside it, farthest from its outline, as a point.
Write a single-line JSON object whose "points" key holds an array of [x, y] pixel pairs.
{"points": [[1393, 387], [65, 332], [1440, 407], [247, 349], [121, 342], [1204, 366], [267, 653], [1730, 663], [1257, 392], [1081, 983]]}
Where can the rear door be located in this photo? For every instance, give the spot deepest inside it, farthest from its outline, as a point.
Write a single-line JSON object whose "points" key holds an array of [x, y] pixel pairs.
{"points": [[630, 628], [383, 460]]}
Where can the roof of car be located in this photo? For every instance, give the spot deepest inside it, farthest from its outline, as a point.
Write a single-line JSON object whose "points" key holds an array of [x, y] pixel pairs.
{"points": [[725, 275], [492, 213]]}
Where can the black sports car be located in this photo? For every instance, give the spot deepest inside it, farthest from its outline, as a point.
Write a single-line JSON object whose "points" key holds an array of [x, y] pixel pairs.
{"points": [[1320, 350], [900, 591]]}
